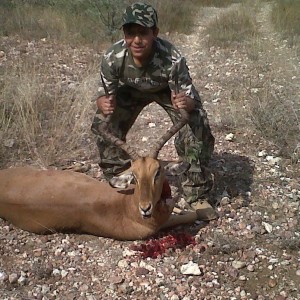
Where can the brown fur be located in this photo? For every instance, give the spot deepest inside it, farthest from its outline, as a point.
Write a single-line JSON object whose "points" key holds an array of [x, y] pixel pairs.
{"points": [[45, 201]]}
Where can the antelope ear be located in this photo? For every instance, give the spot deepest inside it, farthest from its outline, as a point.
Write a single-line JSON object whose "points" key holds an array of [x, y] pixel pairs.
{"points": [[121, 181], [177, 168]]}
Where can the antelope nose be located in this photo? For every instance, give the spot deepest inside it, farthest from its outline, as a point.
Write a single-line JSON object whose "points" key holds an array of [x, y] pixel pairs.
{"points": [[146, 211]]}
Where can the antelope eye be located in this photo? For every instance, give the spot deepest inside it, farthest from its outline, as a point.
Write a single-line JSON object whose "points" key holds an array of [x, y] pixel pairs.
{"points": [[157, 174]]}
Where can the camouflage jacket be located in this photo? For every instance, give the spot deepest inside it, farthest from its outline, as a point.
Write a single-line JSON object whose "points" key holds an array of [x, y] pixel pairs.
{"points": [[118, 69]]}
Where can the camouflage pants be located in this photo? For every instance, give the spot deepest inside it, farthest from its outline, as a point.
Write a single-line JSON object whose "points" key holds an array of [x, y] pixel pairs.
{"points": [[194, 142]]}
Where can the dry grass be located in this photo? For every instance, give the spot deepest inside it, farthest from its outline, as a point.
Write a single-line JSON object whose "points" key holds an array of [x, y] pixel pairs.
{"points": [[218, 3], [90, 22], [286, 19], [41, 114], [276, 116], [176, 15], [277, 119], [35, 22], [235, 25]]}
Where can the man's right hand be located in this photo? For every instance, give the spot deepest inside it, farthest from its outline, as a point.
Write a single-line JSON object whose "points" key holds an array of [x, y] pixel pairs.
{"points": [[107, 104]]}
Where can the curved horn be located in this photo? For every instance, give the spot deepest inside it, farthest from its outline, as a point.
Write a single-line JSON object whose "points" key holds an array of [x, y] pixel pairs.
{"points": [[173, 130], [176, 127], [105, 132]]}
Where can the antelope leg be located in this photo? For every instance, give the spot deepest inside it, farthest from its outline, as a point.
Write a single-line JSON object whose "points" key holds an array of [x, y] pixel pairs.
{"points": [[174, 220]]}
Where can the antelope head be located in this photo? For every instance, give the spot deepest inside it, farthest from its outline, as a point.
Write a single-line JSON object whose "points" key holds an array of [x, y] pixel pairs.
{"points": [[147, 173], [148, 176]]}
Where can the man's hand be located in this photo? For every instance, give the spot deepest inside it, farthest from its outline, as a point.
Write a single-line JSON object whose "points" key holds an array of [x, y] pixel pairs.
{"points": [[182, 101], [107, 104]]}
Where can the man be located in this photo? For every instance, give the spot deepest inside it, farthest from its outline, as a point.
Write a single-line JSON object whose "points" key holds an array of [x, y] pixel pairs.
{"points": [[141, 69]]}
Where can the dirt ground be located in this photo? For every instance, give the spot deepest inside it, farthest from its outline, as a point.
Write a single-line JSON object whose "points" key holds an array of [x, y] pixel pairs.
{"points": [[251, 252]]}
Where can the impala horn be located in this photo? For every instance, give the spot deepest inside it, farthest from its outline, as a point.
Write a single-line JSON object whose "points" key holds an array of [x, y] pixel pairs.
{"points": [[175, 128], [103, 128]]}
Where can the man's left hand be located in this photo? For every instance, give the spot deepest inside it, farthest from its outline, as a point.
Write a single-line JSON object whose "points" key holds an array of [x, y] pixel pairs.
{"points": [[182, 101]]}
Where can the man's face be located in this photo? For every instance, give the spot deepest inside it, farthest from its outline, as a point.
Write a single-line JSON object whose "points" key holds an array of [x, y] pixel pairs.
{"points": [[139, 40]]}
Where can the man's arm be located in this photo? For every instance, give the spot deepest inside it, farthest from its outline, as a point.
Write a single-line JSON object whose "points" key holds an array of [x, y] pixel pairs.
{"points": [[106, 100], [186, 98]]}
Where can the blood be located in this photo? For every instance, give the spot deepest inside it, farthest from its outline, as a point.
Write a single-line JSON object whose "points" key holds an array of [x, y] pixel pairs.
{"points": [[157, 247]]}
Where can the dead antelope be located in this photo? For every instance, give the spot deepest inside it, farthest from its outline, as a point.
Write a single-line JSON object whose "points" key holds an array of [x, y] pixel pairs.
{"points": [[47, 201]]}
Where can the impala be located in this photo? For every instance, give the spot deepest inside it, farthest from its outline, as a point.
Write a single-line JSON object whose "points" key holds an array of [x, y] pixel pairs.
{"points": [[48, 201]]}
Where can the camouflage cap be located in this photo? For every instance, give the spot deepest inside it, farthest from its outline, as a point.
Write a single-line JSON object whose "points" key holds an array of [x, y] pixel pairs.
{"points": [[140, 13]]}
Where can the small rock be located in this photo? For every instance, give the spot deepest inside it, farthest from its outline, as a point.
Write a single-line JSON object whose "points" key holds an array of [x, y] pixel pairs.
{"points": [[272, 283], [116, 279], [273, 160], [45, 289], [268, 227], [56, 272], [9, 143], [13, 278], [122, 264], [128, 252], [229, 137], [238, 264], [250, 268], [64, 273], [22, 280], [141, 271], [283, 294], [225, 201], [234, 273], [262, 153], [242, 278], [3, 277], [84, 288], [190, 268]]}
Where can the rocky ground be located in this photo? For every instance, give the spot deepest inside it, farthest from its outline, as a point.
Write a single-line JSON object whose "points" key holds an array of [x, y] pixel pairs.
{"points": [[250, 252]]}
